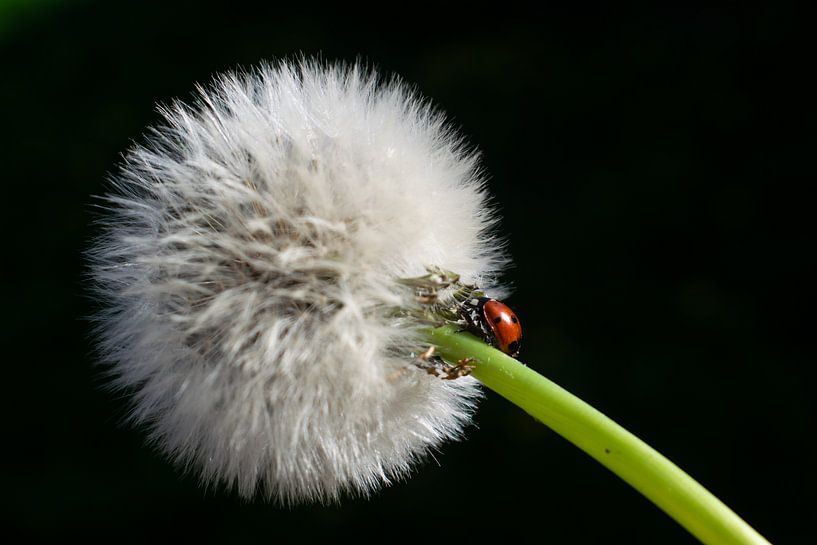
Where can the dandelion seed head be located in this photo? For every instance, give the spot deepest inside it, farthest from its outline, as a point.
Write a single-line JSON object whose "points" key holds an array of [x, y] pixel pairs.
{"points": [[247, 270]]}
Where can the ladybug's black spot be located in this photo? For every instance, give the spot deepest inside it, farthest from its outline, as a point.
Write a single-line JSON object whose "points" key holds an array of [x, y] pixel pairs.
{"points": [[497, 319], [513, 319], [513, 347]]}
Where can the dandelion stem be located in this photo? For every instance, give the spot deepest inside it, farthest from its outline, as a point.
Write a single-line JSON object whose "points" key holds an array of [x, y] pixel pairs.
{"points": [[664, 483]]}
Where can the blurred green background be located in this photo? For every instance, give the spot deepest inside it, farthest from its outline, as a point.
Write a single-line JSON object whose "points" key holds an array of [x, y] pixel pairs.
{"points": [[652, 169]]}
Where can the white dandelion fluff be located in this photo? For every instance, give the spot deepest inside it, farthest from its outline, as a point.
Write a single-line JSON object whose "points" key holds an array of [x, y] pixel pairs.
{"points": [[248, 271]]}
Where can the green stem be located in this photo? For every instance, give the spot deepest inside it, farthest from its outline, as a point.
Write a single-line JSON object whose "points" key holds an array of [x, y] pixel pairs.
{"points": [[664, 483]]}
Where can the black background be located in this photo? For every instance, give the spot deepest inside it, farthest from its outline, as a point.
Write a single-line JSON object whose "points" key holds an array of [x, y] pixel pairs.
{"points": [[651, 169]]}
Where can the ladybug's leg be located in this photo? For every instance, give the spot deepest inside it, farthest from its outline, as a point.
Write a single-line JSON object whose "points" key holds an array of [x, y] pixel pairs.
{"points": [[467, 323], [470, 320], [475, 326], [434, 365]]}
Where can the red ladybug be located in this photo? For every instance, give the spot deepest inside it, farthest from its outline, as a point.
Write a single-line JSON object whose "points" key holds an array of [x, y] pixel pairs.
{"points": [[494, 322]]}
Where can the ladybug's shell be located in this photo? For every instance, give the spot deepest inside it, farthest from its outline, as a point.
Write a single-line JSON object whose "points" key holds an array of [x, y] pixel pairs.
{"points": [[504, 325]]}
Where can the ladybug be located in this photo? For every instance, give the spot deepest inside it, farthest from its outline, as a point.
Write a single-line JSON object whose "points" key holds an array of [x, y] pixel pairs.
{"points": [[494, 322]]}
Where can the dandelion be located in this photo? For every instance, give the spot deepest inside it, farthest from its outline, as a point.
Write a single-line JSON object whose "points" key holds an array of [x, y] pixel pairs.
{"points": [[275, 295], [249, 268]]}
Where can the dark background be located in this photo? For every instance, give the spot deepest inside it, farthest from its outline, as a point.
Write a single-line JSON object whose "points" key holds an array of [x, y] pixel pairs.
{"points": [[651, 168]]}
